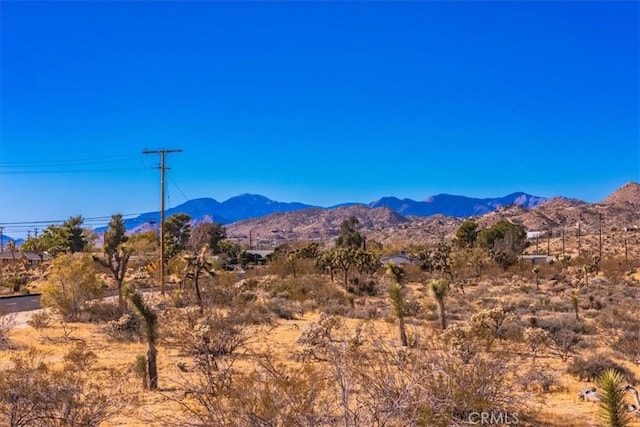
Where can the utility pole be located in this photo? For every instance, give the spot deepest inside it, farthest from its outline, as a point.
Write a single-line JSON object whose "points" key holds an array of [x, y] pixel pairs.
{"points": [[548, 243], [600, 235], [579, 251], [162, 168], [1, 240]]}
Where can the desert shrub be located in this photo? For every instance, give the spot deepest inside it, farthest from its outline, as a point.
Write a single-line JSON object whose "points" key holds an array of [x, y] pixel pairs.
{"points": [[565, 335], [102, 311], [592, 367], [180, 298], [205, 337], [361, 285], [282, 308], [461, 341], [455, 390], [71, 282], [40, 319], [34, 394], [538, 380], [627, 343], [536, 340], [7, 322], [253, 313], [330, 297], [326, 337], [279, 395], [491, 324], [126, 328]]}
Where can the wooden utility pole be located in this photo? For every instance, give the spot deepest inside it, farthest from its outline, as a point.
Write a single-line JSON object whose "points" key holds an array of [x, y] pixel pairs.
{"points": [[162, 168], [579, 249], [600, 235], [549, 243]]}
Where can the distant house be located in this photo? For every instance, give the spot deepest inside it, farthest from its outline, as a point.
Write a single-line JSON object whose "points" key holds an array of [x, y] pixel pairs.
{"points": [[260, 252], [539, 259], [534, 234], [396, 259], [33, 259]]}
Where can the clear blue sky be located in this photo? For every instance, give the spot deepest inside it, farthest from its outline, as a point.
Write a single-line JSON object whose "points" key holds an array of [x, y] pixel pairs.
{"points": [[318, 102]]}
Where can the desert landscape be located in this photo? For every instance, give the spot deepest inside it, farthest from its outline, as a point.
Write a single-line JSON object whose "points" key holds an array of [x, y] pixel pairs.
{"points": [[455, 328]]}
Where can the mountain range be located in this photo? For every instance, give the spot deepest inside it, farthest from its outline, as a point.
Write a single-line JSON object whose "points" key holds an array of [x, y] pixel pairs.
{"points": [[251, 206], [619, 211], [250, 216]]}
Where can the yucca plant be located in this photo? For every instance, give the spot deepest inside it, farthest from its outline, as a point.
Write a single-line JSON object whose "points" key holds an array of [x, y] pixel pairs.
{"points": [[396, 294], [397, 300], [439, 288], [610, 384], [149, 319], [574, 304]]}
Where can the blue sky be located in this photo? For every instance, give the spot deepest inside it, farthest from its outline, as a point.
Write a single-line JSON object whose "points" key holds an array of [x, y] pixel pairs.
{"points": [[318, 102]]}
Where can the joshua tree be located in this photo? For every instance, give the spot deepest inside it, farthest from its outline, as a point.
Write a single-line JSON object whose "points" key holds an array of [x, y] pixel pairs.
{"points": [[196, 265], [150, 322], [574, 304], [612, 390], [116, 253], [536, 271], [439, 288], [396, 293]]}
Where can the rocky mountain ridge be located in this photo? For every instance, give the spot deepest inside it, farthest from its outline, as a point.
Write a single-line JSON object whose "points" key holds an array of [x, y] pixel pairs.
{"points": [[617, 212]]}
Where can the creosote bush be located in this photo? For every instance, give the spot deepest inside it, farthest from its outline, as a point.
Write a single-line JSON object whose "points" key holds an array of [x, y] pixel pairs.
{"points": [[71, 282], [32, 393], [592, 367]]}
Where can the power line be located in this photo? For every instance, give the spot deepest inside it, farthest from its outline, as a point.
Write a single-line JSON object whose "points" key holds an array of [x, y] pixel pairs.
{"points": [[56, 221], [85, 160], [110, 163]]}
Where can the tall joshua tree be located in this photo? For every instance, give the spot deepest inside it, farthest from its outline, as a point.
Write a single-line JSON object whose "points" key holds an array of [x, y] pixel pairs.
{"points": [[196, 266], [396, 293], [149, 320], [116, 252], [439, 288]]}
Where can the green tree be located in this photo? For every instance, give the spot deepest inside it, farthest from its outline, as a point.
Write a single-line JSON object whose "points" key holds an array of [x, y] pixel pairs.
{"points": [[36, 245], [466, 234], [396, 294], [505, 241], [75, 235], [149, 320], [116, 252], [177, 231], [207, 233], [349, 236], [69, 237], [71, 282], [54, 240], [144, 243]]}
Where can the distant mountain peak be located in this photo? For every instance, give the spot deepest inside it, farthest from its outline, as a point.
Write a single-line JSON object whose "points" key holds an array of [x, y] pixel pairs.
{"points": [[628, 193]]}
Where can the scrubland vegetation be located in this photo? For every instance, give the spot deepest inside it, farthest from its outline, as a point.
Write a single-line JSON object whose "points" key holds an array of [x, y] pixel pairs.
{"points": [[320, 333]]}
